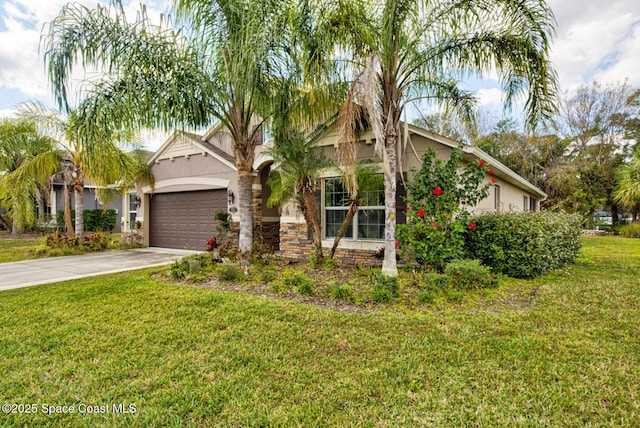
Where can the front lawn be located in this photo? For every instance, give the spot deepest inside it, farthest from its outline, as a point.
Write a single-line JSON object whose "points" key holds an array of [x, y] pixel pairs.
{"points": [[567, 356], [28, 248], [14, 250]]}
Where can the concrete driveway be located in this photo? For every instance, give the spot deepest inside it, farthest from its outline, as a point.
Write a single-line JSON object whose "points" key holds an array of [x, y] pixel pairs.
{"points": [[54, 269]]}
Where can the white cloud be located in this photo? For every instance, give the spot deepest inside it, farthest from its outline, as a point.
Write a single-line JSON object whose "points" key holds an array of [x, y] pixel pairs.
{"points": [[21, 65], [595, 36], [490, 97]]}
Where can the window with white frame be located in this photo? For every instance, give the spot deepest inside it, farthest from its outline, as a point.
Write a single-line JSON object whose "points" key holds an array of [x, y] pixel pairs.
{"points": [[525, 203], [133, 210], [496, 198], [368, 223]]}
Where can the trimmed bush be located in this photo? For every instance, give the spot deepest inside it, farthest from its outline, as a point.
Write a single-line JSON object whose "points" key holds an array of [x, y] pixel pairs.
{"points": [[631, 230], [469, 275], [524, 245]]}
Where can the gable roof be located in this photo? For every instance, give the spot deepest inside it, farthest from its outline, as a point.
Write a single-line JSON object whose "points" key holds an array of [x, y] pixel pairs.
{"points": [[197, 144]]}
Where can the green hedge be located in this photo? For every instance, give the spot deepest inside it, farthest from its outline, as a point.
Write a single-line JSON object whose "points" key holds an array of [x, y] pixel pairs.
{"points": [[525, 245], [94, 219]]}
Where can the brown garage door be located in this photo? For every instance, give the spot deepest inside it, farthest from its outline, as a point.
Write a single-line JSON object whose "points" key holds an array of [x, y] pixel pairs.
{"points": [[184, 219]]}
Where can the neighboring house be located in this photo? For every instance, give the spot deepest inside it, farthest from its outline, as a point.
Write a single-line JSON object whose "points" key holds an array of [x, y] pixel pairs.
{"points": [[91, 201], [196, 176]]}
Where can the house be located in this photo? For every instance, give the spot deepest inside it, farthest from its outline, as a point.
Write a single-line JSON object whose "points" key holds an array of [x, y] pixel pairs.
{"points": [[195, 176], [55, 201]]}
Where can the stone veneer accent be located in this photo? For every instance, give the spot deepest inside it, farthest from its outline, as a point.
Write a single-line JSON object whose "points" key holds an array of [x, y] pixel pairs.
{"points": [[295, 245]]}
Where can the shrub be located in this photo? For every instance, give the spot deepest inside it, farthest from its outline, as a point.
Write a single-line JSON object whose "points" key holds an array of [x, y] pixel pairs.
{"points": [[229, 272], [268, 275], [195, 268], [385, 288], [436, 217], [341, 292], [524, 245], [631, 230], [298, 280], [427, 296], [469, 275], [94, 219], [436, 282]]}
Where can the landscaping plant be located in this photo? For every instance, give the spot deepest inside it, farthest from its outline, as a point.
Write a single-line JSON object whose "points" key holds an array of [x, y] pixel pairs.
{"points": [[437, 216]]}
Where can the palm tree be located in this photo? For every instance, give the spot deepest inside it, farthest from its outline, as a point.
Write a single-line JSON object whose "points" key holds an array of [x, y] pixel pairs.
{"points": [[628, 189], [219, 69], [20, 141], [299, 164], [75, 157], [417, 50]]}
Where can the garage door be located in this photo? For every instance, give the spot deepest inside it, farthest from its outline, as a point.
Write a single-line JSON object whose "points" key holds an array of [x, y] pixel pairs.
{"points": [[184, 219]]}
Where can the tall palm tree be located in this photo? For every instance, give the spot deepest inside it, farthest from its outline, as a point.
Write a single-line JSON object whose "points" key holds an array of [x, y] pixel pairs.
{"points": [[218, 69], [74, 156], [20, 141], [417, 50]]}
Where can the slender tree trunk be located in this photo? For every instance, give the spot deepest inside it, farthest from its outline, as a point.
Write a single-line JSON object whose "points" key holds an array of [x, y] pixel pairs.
{"points": [[348, 219], [389, 264], [245, 240], [67, 209], [310, 212], [77, 182], [14, 224]]}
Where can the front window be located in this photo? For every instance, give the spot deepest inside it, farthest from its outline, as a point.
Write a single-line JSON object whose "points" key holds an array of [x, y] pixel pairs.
{"points": [[368, 223], [133, 210]]}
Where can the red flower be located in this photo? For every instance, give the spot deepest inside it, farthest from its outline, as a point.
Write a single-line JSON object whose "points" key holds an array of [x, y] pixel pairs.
{"points": [[436, 225], [397, 243], [481, 164], [490, 171], [472, 226], [421, 213], [437, 191], [408, 208], [493, 180]]}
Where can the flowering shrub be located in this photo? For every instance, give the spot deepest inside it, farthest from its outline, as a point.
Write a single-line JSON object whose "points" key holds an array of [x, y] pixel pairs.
{"points": [[438, 218], [212, 244]]}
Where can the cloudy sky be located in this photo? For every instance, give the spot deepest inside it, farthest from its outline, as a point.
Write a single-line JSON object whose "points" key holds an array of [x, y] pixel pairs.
{"points": [[595, 40]]}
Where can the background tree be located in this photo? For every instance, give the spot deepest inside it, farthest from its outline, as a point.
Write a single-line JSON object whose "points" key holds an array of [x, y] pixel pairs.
{"points": [[75, 156], [627, 191], [219, 69], [410, 50], [20, 141]]}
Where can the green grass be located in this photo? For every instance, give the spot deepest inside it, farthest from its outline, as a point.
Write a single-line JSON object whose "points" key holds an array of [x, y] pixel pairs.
{"points": [[15, 250], [192, 356]]}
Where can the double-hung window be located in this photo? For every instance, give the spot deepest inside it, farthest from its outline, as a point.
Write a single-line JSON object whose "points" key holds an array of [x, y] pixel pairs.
{"points": [[368, 223]]}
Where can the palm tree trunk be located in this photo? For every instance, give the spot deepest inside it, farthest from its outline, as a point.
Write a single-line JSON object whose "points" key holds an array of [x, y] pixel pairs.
{"points": [[310, 212], [77, 182], [389, 264], [14, 224], [67, 209], [245, 208], [348, 219]]}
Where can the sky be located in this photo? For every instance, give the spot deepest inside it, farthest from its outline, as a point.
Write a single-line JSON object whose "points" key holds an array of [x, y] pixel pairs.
{"points": [[594, 40]]}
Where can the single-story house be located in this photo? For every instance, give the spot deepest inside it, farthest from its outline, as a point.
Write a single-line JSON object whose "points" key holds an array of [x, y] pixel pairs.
{"points": [[195, 176], [55, 201]]}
